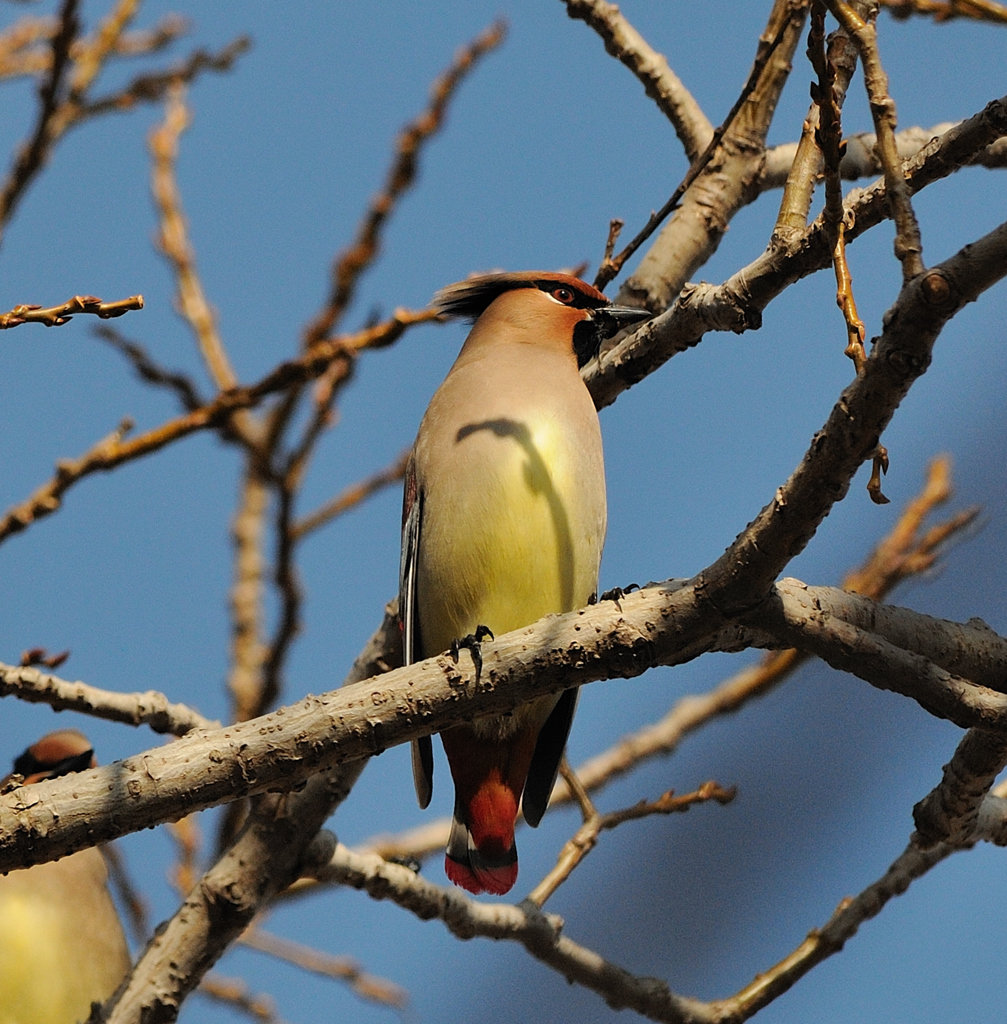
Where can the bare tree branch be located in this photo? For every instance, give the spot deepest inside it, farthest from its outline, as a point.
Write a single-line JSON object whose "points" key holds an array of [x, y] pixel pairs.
{"points": [[278, 842], [693, 233], [906, 551], [661, 84], [150, 708], [737, 304], [34, 152], [539, 933], [341, 968], [733, 138], [351, 263], [352, 496], [234, 992], [150, 371], [666, 624], [56, 316]]}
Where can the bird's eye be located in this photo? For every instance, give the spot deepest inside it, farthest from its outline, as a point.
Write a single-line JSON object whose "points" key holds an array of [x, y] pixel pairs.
{"points": [[564, 295]]}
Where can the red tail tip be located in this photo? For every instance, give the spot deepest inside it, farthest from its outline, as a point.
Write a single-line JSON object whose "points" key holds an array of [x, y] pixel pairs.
{"points": [[497, 880]]}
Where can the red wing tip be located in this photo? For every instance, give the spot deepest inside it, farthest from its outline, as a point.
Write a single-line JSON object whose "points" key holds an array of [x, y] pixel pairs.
{"points": [[496, 881]]}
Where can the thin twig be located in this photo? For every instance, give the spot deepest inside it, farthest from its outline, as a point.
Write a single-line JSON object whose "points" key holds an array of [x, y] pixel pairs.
{"points": [[137, 912], [585, 838], [113, 451], [879, 466], [34, 151], [56, 316], [153, 87], [945, 10], [188, 839], [96, 50], [351, 497], [234, 992], [341, 968], [822, 943], [19, 54], [829, 137], [173, 239], [148, 370], [578, 790], [352, 262]]}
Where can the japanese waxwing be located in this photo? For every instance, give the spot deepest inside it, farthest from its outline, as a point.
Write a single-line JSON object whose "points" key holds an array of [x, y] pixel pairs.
{"points": [[61, 943], [503, 522]]}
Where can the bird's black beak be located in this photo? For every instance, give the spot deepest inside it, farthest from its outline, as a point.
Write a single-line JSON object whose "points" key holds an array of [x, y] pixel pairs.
{"points": [[612, 319], [604, 323]]}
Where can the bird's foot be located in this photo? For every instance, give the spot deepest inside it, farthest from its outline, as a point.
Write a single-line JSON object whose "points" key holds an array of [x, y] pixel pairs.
{"points": [[618, 593], [473, 644]]}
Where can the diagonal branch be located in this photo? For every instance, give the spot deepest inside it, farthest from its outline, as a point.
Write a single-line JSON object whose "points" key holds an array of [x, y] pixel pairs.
{"points": [[694, 232], [34, 151], [773, 55], [661, 84], [150, 371], [908, 243], [352, 262], [352, 497]]}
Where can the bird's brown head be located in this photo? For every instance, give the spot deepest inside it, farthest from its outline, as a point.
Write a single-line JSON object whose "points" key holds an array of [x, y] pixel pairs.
{"points": [[57, 753], [583, 313]]}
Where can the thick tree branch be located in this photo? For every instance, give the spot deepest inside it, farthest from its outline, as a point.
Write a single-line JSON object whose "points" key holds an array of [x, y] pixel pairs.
{"points": [[853, 430], [666, 624], [860, 159]]}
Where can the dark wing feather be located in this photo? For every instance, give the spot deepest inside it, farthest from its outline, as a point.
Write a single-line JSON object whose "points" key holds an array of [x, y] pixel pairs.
{"points": [[412, 516], [545, 761]]}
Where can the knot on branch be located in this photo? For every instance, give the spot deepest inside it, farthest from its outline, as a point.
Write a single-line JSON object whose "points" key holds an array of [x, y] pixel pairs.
{"points": [[937, 290]]}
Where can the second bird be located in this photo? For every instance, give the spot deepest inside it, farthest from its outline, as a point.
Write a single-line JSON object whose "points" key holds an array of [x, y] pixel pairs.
{"points": [[503, 522]]}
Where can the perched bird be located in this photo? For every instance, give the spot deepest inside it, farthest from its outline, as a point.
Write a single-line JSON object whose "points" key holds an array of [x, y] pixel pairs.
{"points": [[61, 943], [503, 522]]}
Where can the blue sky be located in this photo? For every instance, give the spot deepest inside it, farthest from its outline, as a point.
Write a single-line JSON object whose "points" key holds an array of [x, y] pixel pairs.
{"points": [[546, 141]]}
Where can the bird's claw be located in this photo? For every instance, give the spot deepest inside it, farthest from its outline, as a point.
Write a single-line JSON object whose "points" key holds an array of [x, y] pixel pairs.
{"points": [[473, 644], [618, 593]]}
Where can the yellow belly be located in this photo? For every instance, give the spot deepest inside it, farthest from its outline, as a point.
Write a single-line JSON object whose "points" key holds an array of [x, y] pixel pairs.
{"points": [[518, 536], [58, 952]]}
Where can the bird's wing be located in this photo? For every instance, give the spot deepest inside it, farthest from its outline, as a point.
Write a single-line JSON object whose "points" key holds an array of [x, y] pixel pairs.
{"points": [[412, 515], [545, 760]]}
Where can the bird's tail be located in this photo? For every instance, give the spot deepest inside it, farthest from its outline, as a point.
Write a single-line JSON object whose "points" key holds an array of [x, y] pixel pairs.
{"points": [[481, 853]]}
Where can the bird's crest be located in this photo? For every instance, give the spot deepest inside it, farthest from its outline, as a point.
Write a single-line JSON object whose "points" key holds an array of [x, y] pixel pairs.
{"points": [[470, 298]]}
